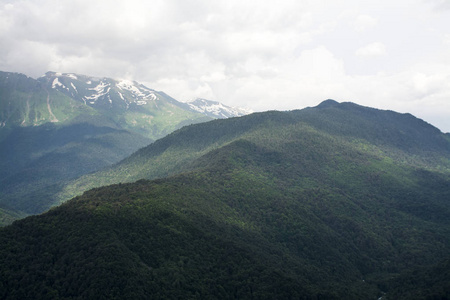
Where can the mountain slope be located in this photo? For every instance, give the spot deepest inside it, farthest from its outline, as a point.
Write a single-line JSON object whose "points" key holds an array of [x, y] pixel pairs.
{"points": [[386, 134], [26, 102], [130, 104], [62, 126], [37, 160], [269, 206]]}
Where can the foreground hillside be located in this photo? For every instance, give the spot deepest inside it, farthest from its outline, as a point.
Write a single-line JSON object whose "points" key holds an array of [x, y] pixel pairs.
{"points": [[333, 202]]}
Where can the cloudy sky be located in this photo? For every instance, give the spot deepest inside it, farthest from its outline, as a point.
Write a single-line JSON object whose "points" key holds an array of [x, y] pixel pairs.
{"points": [[262, 55]]}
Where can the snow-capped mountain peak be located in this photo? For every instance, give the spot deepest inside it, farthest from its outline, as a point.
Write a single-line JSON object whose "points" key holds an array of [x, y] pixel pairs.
{"points": [[138, 91], [107, 93], [216, 109]]}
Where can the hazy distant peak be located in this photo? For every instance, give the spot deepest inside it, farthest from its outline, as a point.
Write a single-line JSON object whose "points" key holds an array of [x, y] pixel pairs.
{"points": [[328, 103], [216, 109]]}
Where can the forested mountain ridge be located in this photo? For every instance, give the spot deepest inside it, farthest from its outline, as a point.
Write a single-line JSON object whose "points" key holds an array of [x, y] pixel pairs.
{"points": [[400, 137], [320, 203]]}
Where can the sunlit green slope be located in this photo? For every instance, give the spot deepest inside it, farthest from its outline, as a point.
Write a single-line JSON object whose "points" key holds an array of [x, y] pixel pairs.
{"points": [[400, 138]]}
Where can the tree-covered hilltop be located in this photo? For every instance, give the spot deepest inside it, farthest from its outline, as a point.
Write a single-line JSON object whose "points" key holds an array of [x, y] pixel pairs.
{"points": [[275, 205]]}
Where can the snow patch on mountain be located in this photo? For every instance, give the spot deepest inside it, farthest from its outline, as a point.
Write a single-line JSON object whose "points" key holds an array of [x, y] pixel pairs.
{"points": [[100, 87], [100, 90], [56, 83], [74, 87], [73, 76], [121, 96], [216, 109], [129, 85], [139, 92]]}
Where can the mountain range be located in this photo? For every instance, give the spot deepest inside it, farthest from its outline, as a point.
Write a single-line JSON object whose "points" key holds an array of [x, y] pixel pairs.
{"points": [[217, 110], [132, 97], [64, 125], [337, 201]]}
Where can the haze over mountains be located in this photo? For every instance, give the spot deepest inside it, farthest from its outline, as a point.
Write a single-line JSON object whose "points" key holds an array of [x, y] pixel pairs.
{"points": [[61, 126], [337, 201]]}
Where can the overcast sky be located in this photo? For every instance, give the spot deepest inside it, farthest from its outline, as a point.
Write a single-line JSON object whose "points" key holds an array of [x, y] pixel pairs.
{"points": [[262, 55]]}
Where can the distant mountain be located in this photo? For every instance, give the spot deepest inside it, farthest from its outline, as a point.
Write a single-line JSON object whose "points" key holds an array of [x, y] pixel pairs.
{"points": [[25, 102], [107, 93], [103, 92], [122, 95], [337, 201], [129, 104], [64, 125], [216, 109]]}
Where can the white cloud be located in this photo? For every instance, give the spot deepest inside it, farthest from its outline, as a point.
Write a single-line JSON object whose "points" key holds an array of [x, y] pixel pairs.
{"points": [[440, 4], [259, 54], [364, 22], [372, 50]]}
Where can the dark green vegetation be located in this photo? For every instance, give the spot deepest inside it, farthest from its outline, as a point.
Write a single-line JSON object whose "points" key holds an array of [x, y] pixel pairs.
{"points": [[49, 134], [36, 160], [333, 202]]}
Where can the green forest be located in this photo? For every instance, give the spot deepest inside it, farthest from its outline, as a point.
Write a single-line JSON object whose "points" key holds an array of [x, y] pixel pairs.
{"points": [[337, 201]]}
